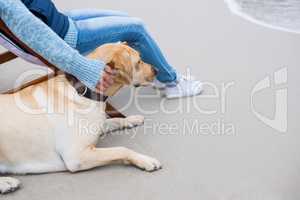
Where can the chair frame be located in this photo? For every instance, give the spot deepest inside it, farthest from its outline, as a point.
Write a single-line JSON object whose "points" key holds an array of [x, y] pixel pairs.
{"points": [[9, 56]]}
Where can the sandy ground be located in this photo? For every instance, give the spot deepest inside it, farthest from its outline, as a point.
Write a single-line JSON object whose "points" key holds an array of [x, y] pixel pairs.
{"points": [[212, 147]]}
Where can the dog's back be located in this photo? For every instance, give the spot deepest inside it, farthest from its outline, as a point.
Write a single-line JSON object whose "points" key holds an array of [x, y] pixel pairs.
{"points": [[34, 122]]}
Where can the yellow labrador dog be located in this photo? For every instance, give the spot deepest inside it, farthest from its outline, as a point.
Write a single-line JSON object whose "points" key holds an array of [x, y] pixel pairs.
{"points": [[45, 128]]}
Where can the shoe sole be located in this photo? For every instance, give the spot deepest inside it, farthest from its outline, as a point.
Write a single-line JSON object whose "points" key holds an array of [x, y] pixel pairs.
{"points": [[178, 97], [158, 88]]}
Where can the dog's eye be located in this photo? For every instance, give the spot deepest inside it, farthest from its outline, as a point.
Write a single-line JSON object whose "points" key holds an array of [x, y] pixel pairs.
{"points": [[137, 66]]}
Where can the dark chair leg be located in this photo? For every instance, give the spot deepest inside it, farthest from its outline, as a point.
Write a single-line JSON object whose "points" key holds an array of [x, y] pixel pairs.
{"points": [[112, 112], [6, 57]]}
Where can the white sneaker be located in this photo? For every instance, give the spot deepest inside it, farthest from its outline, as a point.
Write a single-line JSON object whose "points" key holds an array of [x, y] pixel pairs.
{"points": [[184, 87], [161, 86]]}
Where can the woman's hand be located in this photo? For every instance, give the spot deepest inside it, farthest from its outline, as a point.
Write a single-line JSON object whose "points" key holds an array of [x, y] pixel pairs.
{"points": [[107, 79]]}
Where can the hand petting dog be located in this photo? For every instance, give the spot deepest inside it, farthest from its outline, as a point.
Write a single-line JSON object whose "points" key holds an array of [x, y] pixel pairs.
{"points": [[107, 79]]}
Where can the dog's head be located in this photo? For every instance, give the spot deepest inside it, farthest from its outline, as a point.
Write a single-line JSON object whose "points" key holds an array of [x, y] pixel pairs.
{"points": [[127, 62]]}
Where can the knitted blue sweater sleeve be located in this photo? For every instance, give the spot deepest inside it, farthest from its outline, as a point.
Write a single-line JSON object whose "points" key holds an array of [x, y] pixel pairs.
{"points": [[39, 37]]}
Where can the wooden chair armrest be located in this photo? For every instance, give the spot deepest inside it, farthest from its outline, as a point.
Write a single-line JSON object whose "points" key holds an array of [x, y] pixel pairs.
{"points": [[6, 57]]}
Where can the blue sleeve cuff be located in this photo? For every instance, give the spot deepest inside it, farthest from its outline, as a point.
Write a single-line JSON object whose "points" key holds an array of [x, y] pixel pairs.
{"points": [[88, 71]]}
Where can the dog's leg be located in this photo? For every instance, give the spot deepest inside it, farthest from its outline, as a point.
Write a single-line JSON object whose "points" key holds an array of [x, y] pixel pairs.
{"points": [[123, 123], [8, 184], [95, 157]]}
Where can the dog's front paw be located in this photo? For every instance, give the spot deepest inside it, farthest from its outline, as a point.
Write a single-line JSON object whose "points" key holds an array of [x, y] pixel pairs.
{"points": [[134, 121], [147, 163], [8, 184]]}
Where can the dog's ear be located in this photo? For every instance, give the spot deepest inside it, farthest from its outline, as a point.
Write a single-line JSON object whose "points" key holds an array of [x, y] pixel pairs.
{"points": [[111, 64]]}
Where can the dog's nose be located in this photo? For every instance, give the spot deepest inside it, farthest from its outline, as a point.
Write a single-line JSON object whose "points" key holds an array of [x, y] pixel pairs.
{"points": [[137, 85]]}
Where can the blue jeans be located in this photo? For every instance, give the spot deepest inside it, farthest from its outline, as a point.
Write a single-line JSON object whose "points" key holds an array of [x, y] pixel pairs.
{"points": [[97, 27]]}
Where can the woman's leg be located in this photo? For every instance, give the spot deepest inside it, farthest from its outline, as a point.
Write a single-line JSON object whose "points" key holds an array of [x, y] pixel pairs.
{"points": [[94, 32], [82, 14]]}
